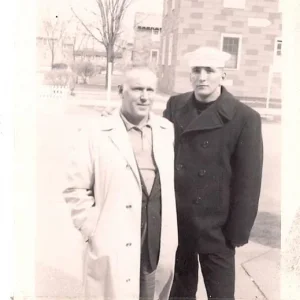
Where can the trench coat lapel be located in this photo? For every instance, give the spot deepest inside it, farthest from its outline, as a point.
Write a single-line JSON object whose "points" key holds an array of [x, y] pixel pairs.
{"points": [[157, 141], [119, 137], [158, 149], [215, 116]]}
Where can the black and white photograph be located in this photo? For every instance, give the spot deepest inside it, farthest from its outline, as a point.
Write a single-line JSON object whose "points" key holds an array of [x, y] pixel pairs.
{"points": [[157, 139]]}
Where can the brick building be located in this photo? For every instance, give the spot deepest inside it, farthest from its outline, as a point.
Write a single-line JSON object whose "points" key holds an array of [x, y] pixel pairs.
{"points": [[146, 45], [248, 29]]}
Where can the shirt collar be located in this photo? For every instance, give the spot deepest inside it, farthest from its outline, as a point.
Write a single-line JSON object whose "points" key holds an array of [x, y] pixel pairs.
{"points": [[129, 125]]}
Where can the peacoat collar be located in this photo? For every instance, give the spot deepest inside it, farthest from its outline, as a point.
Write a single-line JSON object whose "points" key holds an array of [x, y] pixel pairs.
{"points": [[215, 116]]}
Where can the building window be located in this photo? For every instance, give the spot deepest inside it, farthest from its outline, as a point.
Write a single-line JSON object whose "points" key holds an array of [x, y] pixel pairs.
{"points": [[240, 4], [154, 56], [155, 34], [278, 47], [155, 31], [232, 44], [277, 55], [170, 49]]}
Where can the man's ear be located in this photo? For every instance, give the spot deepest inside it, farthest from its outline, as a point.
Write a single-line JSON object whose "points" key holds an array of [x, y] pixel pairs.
{"points": [[224, 76]]}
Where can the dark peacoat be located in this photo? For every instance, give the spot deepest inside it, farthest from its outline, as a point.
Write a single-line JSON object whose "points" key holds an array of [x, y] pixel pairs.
{"points": [[218, 171]]}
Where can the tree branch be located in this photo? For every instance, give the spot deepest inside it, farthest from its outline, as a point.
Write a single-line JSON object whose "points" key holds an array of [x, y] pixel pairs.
{"points": [[85, 26]]}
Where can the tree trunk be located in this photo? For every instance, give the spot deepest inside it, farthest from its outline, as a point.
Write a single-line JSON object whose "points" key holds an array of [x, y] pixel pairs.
{"points": [[52, 59], [109, 58]]}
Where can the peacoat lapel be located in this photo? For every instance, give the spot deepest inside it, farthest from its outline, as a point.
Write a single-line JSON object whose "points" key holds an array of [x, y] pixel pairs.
{"points": [[215, 116]]}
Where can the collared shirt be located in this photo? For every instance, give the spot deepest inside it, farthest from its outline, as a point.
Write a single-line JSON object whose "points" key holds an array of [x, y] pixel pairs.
{"points": [[141, 141]]}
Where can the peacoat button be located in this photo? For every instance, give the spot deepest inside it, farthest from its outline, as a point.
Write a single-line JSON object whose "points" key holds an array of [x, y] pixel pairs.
{"points": [[179, 167], [205, 144], [197, 200], [202, 172]]}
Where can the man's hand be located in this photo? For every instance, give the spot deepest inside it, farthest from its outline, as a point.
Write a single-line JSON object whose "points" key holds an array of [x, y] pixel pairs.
{"points": [[106, 111]]}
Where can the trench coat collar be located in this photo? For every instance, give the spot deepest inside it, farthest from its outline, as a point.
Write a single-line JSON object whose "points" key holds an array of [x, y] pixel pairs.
{"points": [[119, 136], [215, 116]]}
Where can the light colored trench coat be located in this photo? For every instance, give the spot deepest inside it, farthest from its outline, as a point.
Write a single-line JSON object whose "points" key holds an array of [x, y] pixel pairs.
{"points": [[104, 193]]}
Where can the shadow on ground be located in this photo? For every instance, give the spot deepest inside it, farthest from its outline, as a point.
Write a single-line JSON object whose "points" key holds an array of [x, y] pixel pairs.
{"points": [[267, 230], [51, 282]]}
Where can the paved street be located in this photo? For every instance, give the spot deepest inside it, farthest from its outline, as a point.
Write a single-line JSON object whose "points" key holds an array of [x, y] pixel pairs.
{"points": [[59, 246]]}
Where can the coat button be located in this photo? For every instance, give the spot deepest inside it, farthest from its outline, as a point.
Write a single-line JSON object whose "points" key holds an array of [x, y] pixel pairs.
{"points": [[202, 172], [179, 167], [197, 200], [205, 144]]}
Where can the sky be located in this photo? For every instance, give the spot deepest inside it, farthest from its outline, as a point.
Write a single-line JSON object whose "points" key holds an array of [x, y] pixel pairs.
{"points": [[51, 8]]}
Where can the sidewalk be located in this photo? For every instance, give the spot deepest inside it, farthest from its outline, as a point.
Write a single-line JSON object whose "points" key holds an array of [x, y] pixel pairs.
{"points": [[257, 274]]}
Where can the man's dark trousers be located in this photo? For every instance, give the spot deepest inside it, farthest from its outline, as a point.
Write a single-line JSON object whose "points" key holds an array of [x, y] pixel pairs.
{"points": [[218, 271]]}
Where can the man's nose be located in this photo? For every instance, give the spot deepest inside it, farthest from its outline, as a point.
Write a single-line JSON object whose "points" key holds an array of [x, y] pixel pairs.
{"points": [[144, 95], [202, 75]]}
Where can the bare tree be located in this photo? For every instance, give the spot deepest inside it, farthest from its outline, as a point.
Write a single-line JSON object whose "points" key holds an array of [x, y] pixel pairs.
{"points": [[56, 32], [79, 39], [107, 28]]}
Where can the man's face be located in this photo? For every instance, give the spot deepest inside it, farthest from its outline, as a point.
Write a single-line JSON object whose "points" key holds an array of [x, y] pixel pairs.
{"points": [[138, 94], [206, 80]]}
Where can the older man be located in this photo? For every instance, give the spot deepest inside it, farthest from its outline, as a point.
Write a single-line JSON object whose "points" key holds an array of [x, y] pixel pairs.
{"points": [[121, 194], [218, 170]]}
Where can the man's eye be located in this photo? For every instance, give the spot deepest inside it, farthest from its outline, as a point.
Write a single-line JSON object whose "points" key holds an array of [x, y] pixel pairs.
{"points": [[209, 70]]}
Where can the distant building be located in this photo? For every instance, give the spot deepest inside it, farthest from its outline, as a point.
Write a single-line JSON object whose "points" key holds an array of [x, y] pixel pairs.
{"points": [[68, 53], [248, 29], [147, 33], [63, 52]]}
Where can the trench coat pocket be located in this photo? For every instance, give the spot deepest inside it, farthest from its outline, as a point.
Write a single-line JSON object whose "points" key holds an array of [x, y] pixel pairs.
{"points": [[89, 226]]}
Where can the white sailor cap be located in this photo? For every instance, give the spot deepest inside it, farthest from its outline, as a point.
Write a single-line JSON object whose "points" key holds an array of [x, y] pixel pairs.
{"points": [[207, 57]]}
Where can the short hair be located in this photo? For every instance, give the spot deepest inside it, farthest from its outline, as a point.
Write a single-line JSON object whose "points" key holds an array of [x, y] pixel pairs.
{"points": [[136, 68]]}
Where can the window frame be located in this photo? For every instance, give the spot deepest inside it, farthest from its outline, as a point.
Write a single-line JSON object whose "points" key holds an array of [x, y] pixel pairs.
{"points": [[157, 60], [155, 37], [278, 40], [277, 59], [233, 35]]}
